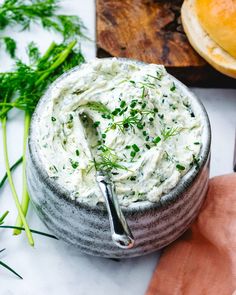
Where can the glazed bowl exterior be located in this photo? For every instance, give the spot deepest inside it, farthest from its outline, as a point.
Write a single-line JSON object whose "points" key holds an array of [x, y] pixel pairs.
{"points": [[154, 225]]}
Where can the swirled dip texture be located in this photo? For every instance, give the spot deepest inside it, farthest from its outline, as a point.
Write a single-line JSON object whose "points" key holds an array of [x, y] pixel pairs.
{"points": [[133, 118]]}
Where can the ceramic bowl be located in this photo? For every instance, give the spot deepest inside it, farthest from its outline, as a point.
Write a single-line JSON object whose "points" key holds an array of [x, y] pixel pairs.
{"points": [[154, 225]]}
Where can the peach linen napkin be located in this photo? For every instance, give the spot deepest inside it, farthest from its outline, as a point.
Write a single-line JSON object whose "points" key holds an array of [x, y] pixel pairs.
{"points": [[203, 260]]}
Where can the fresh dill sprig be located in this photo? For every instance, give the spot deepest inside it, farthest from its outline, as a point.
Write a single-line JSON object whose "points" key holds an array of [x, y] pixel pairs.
{"points": [[143, 112], [108, 160], [128, 122], [24, 13], [30, 81], [26, 84], [167, 132], [33, 53], [23, 87], [10, 45], [108, 164], [133, 120], [99, 107]]}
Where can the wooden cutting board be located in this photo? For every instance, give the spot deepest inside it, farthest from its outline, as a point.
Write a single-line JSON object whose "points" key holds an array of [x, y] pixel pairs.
{"points": [[151, 31]]}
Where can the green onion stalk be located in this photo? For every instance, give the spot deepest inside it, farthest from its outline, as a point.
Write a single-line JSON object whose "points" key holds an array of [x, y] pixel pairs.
{"points": [[25, 195], [58, 61], [11, 183]]}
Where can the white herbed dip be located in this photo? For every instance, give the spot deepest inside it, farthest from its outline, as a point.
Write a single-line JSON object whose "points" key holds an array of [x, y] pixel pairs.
{"points": [[143, 131]]}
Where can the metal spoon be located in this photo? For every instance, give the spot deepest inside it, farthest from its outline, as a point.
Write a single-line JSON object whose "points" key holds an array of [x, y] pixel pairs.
{"points": [[120, 231]]}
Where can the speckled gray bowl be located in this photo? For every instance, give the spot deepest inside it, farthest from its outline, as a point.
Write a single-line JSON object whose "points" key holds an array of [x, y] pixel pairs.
{"points": [[154, 225]]}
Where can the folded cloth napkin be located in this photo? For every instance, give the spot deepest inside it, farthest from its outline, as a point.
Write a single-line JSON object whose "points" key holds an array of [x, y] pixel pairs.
{"points": [[203, 260]]}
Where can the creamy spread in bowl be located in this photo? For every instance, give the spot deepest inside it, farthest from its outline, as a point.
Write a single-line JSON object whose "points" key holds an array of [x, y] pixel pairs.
{"points": [[143, 131]]}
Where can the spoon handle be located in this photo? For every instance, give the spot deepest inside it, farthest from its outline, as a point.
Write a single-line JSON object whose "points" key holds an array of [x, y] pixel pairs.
{"points": [[120, 231]]}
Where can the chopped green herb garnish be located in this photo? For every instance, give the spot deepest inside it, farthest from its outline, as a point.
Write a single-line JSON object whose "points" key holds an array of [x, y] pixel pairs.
{"points": [[69, 123], [78, 91], [133, 103], [123, 111], [135, 148], [143, 92], [71, 118], [196, 161], [197, 143], [133, 82], [144, 105], [151, 76], [122, 104], [133, 178], [173, 87], [53, 119], [77, 152], [106, 116], [148, 85], [133, 112], [180, 167], [140, 125], [116, 111], [156, 139], [127, 147], [96, 124], [53, 168], [104, 135], [132, 154], [74, 164]]}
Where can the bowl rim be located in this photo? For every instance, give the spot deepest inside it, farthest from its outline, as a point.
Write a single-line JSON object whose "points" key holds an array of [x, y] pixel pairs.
{"points": [[141, 206]]}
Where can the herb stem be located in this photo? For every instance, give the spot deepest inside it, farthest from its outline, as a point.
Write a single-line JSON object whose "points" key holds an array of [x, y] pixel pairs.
{"points": [[62, 57], [44, 74], [25, 195], [32, 230], [7, 104], [11, 169], [3, 217], [10, 269], [48, 52], [12, 186]]}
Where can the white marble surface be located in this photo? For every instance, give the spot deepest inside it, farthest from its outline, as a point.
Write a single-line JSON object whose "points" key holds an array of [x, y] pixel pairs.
{"points": [[54, 268]]}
